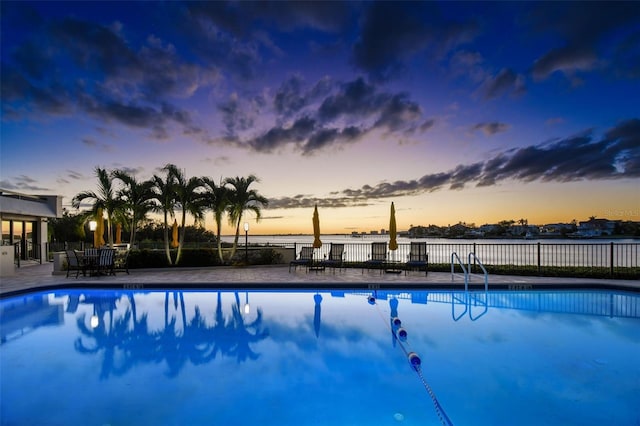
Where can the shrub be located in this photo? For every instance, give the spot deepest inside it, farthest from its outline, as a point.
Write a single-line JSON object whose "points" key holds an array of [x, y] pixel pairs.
{"points": [[199, 257], [264, 256], [147, 259]]}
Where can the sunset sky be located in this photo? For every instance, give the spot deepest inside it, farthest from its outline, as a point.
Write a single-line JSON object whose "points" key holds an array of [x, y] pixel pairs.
{"points": [[457, 112]]}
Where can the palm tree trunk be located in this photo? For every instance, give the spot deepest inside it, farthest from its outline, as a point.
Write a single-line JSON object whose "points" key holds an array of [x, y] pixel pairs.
{"points": [[218, 232], [166, 239], [132, 233], [235, 240], [181, 237], [219, 245], [109, 231]]}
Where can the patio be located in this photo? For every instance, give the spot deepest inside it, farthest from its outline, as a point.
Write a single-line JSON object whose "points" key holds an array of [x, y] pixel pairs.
{"points": [[32, 277]]}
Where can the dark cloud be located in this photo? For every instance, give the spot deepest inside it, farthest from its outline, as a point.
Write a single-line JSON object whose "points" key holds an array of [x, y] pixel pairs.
{"points": [[108, 79], [491, 128], [328, 16], [344, 115], [22, 183], [93, 144], [614, 156], [427, 124], [356, 98], [393, 32], [239, 18], [92, 46], [398, 113], [234, 117], [327, 137], [467, 64], [594, 35], [275, 137], [21, 98], [505, 82], [292, 97], [72, 174]]}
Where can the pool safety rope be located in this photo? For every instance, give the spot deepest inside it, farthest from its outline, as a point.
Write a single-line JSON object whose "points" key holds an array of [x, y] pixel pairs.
{"points": [[400, 334]]}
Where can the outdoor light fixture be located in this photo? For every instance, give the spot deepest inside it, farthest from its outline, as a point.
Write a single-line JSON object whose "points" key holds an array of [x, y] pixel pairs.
{"points": [[246, 243], [92, 227]]}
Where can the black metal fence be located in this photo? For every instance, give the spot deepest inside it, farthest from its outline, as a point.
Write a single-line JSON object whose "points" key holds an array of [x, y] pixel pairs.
{"points": [[538, 257]]}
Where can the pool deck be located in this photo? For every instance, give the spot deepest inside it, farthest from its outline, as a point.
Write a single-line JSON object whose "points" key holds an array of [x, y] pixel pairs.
{"points": [[41, 277]]}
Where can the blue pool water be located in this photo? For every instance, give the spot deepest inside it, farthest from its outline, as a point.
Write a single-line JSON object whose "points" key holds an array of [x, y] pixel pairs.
{"points": [[95, 357]]}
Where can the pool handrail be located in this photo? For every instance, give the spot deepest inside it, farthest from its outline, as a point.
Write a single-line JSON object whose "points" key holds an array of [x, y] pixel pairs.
{"points": [[454, 256], [484, 270]]}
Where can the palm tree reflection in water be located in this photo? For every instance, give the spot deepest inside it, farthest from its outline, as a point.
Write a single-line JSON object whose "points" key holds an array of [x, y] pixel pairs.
{"points": [[126, 341]]}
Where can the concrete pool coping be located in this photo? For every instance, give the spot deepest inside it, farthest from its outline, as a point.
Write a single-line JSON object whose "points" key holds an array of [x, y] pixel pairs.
{"points": [[41, 277]]}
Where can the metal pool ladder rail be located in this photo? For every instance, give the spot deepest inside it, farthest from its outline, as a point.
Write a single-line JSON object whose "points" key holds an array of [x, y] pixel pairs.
{"points": [[484, 270], [467, 270]]}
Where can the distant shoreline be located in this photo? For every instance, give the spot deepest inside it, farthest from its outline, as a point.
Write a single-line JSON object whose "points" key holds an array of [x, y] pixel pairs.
{"points": [[378, 236]]}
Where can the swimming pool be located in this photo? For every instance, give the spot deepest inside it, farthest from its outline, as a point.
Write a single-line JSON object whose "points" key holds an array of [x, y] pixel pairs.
{"points": [[219, 357]]}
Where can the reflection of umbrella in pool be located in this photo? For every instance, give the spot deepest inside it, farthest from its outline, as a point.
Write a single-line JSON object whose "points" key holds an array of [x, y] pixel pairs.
{"points": [[316, 228], [316, 314], [393, 304], [118, 233], [174, 234]]}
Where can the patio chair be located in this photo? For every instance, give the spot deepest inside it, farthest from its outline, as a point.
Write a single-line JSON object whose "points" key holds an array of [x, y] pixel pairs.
{"points": [[90, 259], [377, 257], [106, 259], [418, 258], [73, 263], [305, 258], [336, 257]]}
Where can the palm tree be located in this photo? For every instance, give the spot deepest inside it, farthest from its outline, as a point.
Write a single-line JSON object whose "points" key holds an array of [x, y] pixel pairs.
{"points": [[242, 198], [217, 201], [188, 199], [137, 197], [164, 195], [105, 199]]}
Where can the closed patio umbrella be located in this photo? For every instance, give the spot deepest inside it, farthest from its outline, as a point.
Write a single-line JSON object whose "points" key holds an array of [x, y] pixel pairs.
{"points": [[98, 235], [316, 228], [174, 234], [393, 243]]}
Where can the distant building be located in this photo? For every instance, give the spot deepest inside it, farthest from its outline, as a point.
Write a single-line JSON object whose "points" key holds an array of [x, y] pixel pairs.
{"points": [[595, 228], [556, 229], [24, 223]]}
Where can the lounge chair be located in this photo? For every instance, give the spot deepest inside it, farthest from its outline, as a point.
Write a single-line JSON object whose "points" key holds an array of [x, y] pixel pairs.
{"points": [[73, 263], [305, 258], [335, 259], [377, 257], [418, 258]]}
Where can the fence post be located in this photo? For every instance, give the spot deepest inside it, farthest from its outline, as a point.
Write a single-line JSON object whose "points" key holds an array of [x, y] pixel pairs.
{"points": [[611, 255], [539, 262], [474, 258]]}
